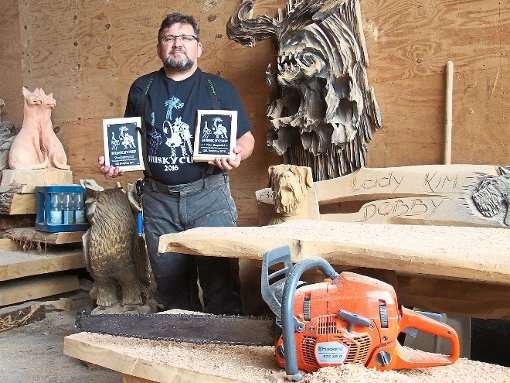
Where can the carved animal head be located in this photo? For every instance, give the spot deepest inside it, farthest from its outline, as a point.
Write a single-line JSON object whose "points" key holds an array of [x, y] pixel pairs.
{"points": [[323, 105], [491, 195], [32, 98], [290, 185]]}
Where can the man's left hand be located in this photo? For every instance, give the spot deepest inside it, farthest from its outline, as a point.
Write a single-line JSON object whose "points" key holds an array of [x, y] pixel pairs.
{"points": [[227, 164]]}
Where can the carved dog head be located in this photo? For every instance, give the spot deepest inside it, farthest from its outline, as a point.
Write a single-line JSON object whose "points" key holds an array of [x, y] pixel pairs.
{"points": [[290, 184]]}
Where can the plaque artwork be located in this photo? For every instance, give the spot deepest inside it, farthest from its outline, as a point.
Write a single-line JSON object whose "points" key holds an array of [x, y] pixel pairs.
{"points": [[122, 143], [215, 134]]}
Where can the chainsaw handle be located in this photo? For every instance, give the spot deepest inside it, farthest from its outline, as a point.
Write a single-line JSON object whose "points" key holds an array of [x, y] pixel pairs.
{"points": [[412, 319], [289, 323]]}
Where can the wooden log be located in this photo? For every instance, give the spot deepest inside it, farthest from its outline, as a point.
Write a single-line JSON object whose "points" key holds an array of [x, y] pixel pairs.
{"points": [[19, 264], [32, 178], [30, 234], [477, 254], [30, 288]]}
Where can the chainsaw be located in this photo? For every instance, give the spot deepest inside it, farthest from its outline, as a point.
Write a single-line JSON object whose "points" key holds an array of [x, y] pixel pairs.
{"points": [[347, 318]]}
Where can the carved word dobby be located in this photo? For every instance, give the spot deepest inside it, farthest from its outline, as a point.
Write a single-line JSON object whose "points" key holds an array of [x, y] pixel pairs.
{"points": [[322, 112], [115, 256], [36, 146]]}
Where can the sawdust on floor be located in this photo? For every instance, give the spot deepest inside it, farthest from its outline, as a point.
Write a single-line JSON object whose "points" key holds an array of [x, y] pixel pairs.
{"points": [[256, 364]]}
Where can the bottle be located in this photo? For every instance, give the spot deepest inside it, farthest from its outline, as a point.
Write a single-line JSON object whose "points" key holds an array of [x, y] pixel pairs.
{"points": [[79, 205], [55, 214], [68, 208]]}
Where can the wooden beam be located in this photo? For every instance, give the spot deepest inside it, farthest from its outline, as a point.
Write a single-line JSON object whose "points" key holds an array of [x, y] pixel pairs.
{"points": [[19, 264], [30, 234], [130, 357], [7, 244], [477, 254], [32, 178], [30, 288]]}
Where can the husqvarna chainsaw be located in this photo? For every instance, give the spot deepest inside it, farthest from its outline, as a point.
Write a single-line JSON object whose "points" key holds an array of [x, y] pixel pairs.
{"points": [[347, 318]]}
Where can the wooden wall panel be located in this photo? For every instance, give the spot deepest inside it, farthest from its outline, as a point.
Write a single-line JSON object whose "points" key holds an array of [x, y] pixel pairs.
{"points": [[89, 52], [10, 61]]}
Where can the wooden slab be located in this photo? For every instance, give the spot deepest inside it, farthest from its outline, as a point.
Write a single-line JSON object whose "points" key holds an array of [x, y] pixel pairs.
{"points": [[20, 315], [477, 254], [19, 264], [29, 288], [170, 362], [32, 178], [30, 234], [7, 244]]}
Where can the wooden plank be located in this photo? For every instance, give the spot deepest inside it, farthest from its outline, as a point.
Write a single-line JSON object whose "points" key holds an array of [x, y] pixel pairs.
{"points": [[30, 234], [36, 287], [368, 184], [114, 354], [32, 178], [19, 264], [477, 254], [134, 379], [7, 244]]}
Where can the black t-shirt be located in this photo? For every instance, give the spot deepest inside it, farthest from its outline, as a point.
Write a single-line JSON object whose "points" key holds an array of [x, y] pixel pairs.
{"points": [[170, 118]]}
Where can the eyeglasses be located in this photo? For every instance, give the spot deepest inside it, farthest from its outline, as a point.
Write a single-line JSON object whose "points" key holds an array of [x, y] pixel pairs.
{"points": [[172, 38]]}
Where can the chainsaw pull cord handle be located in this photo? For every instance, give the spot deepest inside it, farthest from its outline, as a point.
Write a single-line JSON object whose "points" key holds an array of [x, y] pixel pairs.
{"points": [[421, 322], [288, 320]]}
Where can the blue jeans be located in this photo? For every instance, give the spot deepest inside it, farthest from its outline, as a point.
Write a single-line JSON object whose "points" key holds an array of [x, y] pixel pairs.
{"points": [[174, 208]]}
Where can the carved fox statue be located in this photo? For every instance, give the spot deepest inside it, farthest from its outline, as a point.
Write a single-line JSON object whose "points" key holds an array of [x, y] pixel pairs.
{"points": [[36, 146]]}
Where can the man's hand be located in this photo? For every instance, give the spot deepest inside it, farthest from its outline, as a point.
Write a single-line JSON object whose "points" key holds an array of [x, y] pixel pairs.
{"points": [[243, 150], [108, 171]]}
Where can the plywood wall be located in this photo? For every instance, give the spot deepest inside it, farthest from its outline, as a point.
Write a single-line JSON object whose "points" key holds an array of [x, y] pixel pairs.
{"points": [[89, 52]]}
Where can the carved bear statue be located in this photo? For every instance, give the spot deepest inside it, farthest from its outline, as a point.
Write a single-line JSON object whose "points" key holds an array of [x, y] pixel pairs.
{"points": [[115, 255]]}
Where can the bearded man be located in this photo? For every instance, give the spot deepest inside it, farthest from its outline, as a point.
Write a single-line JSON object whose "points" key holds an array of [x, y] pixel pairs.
{"points": [[179, 194]]}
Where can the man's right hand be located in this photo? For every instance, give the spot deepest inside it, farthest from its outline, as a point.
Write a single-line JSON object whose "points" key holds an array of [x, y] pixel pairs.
{"points": [[108, 171]]}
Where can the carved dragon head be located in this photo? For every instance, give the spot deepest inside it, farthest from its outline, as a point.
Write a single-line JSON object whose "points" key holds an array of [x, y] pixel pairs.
{"points": [[322, 113]]}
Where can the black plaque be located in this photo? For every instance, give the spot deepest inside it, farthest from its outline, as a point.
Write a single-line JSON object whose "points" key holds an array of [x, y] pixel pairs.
{"points": [[215, 134], [122, 143]]}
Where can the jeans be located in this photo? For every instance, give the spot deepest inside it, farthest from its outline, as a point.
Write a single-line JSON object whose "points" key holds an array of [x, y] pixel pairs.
{"points": [[174, 208]]}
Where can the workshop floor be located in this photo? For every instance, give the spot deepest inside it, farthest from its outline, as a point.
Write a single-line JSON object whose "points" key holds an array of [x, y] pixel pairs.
{"points": [[33, 353]]}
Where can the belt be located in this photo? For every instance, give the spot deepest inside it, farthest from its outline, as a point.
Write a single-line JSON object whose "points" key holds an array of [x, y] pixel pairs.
{"points": [[189, 188]]}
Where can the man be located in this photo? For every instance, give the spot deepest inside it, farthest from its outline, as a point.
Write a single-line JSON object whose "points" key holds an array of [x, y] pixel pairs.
{"points": [[179, 194]]}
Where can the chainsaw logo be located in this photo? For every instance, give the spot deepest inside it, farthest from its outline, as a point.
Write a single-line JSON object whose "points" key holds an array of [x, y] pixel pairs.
{"points": [[328, 353]]}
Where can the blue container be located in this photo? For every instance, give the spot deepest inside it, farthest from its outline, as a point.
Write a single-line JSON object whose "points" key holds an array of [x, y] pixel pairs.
{"points": [[60, 208]]}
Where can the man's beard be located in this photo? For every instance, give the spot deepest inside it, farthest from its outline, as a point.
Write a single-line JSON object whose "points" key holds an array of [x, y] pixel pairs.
{"points": [[178, 65]]}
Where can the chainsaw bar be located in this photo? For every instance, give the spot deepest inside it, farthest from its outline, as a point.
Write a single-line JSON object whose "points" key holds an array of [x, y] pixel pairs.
{"points": [[218, 329]]}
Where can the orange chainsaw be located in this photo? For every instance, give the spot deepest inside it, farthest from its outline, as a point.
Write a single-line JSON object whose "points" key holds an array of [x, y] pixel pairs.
{"points": [[347, 318]]}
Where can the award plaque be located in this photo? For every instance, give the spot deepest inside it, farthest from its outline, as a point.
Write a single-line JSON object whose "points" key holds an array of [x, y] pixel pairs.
{"points": [[215, 134], [122, 143]]}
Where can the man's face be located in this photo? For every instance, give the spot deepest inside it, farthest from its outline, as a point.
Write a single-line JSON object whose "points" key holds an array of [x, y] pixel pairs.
{"points": [[179, 54]]}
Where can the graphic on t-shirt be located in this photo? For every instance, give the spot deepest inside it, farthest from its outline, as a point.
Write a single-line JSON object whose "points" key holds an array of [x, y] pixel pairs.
{"points": [[174, 134]]}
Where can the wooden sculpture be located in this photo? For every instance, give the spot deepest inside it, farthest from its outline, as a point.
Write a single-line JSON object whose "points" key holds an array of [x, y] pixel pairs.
{"points": [[290, 185], [36, 146], [322, 112], [115, 256]]}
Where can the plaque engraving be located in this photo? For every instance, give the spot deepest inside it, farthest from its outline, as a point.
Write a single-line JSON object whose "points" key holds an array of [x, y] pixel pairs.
{"points": [[215, 135], [122, 143]]}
